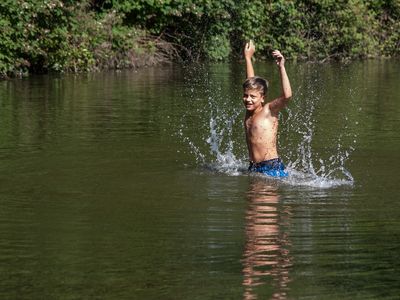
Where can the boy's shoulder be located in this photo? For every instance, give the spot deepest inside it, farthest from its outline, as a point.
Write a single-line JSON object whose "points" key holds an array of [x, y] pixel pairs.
{"points": [[268, 111]]}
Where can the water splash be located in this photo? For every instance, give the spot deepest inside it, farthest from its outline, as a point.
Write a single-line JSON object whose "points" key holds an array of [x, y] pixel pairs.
{"points": [[223, 151], [317, 155], [217, 146], [215, 112]]}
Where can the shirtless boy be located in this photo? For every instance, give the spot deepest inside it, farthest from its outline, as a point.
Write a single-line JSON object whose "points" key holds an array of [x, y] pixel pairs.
{"points": [[261, 120]]}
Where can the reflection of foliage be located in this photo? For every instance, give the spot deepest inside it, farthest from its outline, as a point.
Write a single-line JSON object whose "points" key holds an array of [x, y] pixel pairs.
{"points": [[81, 35]]}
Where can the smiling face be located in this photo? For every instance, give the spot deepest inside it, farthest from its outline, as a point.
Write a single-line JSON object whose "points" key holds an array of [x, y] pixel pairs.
{"points": [[253, 100]]}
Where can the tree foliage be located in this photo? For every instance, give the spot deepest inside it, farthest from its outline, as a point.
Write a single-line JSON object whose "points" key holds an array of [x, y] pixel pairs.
{"points": [[84, 35], [54, 35]]}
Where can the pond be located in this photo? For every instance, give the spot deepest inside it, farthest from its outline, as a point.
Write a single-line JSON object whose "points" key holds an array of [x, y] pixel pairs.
{"points": [[133, 185]]}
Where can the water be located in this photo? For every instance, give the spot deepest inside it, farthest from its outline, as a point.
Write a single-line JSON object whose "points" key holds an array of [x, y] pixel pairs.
{"points": [[133, 185]]}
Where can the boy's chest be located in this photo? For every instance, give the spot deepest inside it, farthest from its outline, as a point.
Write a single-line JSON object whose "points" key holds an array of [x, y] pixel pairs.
{"points": [[259, 125]]}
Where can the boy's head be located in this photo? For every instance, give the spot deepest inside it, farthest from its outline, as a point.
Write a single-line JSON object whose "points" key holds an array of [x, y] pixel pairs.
{"points": [[254, 91], [256, 83]]}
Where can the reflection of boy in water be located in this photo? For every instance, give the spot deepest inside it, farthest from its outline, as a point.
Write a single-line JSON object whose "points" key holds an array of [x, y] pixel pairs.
{"points": [[261, 121], [266, 259]]}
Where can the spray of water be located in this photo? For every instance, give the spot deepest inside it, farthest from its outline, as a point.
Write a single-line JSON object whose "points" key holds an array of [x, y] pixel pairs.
{"points": [[218, 143], [317, 153]]}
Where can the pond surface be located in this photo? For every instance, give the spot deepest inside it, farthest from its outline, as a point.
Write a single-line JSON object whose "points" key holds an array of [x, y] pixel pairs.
{"points": [[133, 185]]}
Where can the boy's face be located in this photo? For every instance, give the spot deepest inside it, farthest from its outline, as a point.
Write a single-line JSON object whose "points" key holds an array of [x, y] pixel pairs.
{"points": [[252, 99]]}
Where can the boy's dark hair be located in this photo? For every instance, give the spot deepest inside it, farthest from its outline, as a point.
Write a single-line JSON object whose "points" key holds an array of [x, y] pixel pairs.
{"points": [[256, 83]]}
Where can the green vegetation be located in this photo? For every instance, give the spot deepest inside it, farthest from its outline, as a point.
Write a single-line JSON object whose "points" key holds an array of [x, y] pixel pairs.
{"points": [[70, 35], [87, 35]]}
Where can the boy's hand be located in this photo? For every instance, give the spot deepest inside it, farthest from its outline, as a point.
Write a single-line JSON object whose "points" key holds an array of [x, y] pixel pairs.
{"points": [[249, 49], [279, 59]]}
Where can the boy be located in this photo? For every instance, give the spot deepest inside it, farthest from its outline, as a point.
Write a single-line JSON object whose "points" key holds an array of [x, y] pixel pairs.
{"points": [[261, 120]]}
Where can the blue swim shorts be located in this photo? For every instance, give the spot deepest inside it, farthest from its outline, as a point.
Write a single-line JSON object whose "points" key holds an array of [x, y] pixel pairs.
{"points": [[273, 167]]}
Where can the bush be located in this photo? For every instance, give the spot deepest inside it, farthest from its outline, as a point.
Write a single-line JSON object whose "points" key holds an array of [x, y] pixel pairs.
{"points": [[87, 35], [55, 35], [200, 29], [303, 29]]}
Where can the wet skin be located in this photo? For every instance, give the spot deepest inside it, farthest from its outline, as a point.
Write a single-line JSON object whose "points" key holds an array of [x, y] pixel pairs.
{"points": [[261, 126]]}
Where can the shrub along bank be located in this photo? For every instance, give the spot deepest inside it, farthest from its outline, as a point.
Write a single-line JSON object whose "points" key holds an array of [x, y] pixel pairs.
{"points": [[53, 35], [86, 35]]}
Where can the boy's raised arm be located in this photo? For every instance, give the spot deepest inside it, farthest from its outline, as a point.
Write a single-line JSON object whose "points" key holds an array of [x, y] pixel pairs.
{"points": [[249, 50], [281, 101]]}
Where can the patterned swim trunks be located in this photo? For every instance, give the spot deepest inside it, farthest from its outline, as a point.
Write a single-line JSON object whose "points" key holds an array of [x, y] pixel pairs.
{"points": [[273, 167]]}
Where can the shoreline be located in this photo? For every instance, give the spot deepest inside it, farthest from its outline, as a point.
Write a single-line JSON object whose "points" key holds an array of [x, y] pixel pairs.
{"points": [[159, 63]]}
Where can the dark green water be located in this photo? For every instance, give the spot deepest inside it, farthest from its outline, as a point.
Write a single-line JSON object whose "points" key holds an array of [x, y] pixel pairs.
{"points": [[131, 185]]}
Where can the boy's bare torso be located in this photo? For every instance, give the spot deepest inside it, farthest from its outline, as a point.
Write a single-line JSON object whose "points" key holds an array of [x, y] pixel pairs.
{"points": [[261, 120], [261, 135]]}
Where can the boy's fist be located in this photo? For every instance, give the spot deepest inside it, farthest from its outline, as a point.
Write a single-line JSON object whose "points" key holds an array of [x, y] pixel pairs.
{"points": [[279, 59], [249, 49]]}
